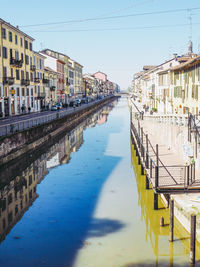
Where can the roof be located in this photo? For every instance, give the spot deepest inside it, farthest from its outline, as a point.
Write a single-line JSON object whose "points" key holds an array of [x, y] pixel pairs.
{"points": [[16, 29], [39, 54], [49, 69], [148, 67], [186, 64], [46, 49]]}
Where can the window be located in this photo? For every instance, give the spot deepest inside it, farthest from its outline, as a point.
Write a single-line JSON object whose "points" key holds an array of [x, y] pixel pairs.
{"points": [[40, 76], [22, 74], [21, 41], [16, 209], [31, 61], [10, 217], [23, 91], [30, 46], [27, 75], [4, 33], [10, 36], [4, 71], [5, 52], [11, 72], [40, 64], [17, 91], [17, 75], [31, 91], [16, 55], [26, 44], [26, 59], [11, 54], [16, 39], [27, 93], [35, 89], [30, 179], [31, 77], [9, 199], [22, 56]]}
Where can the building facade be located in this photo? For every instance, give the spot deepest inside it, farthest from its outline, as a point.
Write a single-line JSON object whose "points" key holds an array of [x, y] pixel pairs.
{"points": [[16, 88]]}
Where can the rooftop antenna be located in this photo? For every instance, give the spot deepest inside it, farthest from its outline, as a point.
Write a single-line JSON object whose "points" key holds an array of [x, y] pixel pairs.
{"points": [[190, 46]]}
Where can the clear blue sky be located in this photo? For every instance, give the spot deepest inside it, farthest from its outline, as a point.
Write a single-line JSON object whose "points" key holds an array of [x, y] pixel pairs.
{"points": [[119, 53]]}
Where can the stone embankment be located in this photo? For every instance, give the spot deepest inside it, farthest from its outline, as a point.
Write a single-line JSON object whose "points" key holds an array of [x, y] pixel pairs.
{"points": [[16, 144]]}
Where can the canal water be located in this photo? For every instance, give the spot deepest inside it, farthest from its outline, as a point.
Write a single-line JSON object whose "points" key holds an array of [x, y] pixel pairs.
{"points": [[81, 202]]}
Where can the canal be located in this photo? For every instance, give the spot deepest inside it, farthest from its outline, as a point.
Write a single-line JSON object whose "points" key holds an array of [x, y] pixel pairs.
{"points": [[82, 202]]}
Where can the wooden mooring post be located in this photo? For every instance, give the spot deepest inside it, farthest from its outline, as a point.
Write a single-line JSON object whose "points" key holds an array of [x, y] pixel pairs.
{"points": [[155, 201], [147, 153], [147, 182], [192, 238], [171, 221]]}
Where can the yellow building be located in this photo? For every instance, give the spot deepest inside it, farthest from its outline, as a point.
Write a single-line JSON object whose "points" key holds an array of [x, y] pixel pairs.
{"points": [[16, 88], [186, 86]]}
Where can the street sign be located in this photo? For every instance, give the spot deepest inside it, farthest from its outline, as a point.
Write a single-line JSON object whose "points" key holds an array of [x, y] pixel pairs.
{"points": [[12, 92]]}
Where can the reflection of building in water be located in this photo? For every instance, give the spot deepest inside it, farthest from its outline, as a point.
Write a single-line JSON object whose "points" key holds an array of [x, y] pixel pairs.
{"points": [[20, 192]]}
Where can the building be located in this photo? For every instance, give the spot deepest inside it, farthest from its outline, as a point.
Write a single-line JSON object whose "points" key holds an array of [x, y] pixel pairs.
{"points": [[16, 88], [71, 77], [186, 87], [64, 58], [37, 66], [154, 86], [78, 75], [57, 66], [51, 86]]}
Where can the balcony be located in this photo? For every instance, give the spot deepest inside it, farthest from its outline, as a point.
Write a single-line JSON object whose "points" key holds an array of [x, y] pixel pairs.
{"points": [[52, 88], [41, 95], [45, 81], [33, 68], [37, 80], [16, 62], [25, 82], [8, 80]]}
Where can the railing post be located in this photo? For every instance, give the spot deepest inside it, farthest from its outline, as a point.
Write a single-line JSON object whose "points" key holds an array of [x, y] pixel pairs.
{"points": [[147, 152], [192, 239], [188, 175], [141, 143], [171, 221]]}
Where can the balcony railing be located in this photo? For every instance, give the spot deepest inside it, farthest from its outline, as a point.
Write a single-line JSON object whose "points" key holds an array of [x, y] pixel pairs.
{"points": [[37, 80], [33, 68], [25, 82], [8, 80], [45, 80], [52, 88], [41, 95], [16, 62]]}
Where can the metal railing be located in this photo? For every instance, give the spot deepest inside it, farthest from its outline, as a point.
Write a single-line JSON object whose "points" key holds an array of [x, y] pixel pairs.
{"points": [[160, 175], [26, 123]]}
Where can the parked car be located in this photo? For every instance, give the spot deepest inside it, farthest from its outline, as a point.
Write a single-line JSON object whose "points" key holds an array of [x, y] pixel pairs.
{"points": [[77, 102], [84, 100], [54, 108], [59, 106]]}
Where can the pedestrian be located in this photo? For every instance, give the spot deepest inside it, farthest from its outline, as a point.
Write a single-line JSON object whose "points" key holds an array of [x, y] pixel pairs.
{"points": [[29, 109], [22, 109]]}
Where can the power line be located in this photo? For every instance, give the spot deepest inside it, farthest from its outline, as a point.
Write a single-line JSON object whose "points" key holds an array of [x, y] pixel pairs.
{"points": [[112, 17], [123, 28]]}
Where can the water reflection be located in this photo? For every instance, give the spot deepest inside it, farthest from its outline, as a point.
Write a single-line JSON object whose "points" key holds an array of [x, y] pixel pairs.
{"points": [[175, 253], [18, 182]]}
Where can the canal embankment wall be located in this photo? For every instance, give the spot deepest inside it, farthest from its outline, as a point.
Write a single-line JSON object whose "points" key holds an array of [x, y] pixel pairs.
{"points": [[19, 143]]}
